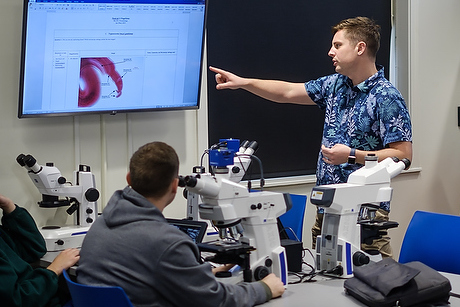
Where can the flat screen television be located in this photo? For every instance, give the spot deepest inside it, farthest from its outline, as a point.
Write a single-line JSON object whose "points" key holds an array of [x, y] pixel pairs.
{"points": [[110, 56]]}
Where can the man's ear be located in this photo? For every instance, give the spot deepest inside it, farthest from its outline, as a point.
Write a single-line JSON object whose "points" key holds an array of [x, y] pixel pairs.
{"points": [[361, 47], [174, 185], [128, 178]]}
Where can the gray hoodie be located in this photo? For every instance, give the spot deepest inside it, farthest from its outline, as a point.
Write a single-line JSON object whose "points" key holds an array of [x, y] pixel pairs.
{"points": [[131, 245]]}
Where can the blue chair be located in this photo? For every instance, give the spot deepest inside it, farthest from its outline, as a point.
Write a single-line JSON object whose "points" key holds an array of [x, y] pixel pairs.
{"points": [[433, 239], [95, 296], [292, 220]]}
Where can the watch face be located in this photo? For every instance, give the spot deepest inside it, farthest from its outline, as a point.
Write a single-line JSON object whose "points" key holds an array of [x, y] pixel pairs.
{"points": [[351, 159]]}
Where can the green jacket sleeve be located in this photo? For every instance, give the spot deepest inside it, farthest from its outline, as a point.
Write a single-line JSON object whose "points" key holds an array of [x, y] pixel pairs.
{"points": [[20, 244], [26, 239], [23, 286]]}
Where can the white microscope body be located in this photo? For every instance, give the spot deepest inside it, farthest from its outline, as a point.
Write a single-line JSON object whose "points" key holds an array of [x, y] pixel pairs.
{"points": [[338, 248], [247, 223], [235, 168], [57, 192]]}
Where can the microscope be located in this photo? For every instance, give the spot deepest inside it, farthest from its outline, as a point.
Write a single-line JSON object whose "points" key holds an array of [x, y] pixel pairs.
{"points": [[58, 192], [338, 248], [246, 221], [230, 160]]}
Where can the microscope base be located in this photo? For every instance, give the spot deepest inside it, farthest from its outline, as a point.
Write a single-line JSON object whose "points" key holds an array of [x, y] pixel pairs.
{"points": [[59, 238], [341, 260]]}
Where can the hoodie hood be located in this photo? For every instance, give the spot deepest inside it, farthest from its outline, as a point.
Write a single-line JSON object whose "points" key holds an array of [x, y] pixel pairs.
{"points": [[127, 206]]}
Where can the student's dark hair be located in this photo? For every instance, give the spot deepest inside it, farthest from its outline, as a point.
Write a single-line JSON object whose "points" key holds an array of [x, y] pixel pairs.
{"points": [[152, 169], [361, 29]]}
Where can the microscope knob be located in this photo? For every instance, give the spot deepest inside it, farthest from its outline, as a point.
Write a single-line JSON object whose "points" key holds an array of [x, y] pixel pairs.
{"points": [[89, 210], [59, 242], [89, 220], [268, 262], [92, 194], [62, 180], [261, 272], [359, 259], [235, 170]]}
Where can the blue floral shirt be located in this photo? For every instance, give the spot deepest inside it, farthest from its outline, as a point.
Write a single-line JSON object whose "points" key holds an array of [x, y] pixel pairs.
{"points": [[367, 116]]}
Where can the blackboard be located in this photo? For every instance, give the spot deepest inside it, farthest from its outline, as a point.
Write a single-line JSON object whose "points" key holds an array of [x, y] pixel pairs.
{"points": [[285, 40]]}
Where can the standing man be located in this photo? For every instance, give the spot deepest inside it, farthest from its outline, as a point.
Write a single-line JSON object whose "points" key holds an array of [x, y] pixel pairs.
{"points": [[131, 245], [364, 112]]}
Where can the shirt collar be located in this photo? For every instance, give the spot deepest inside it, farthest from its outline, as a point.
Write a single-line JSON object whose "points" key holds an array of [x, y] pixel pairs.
{"points": [[367, 84]]}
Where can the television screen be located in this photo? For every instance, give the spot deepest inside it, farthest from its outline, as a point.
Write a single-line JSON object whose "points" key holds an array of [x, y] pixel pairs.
{"points": [[110, 56]]}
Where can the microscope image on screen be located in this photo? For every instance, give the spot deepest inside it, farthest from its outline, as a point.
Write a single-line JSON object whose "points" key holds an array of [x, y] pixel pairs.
{"points": [[92, 70]]}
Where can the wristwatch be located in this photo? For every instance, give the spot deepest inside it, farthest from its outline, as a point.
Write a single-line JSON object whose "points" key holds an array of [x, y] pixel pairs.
{"points": [[352, 156]]}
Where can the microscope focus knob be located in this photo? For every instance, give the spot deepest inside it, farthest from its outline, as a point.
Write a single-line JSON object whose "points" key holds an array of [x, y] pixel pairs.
{"points": [[359, 259], [261, 272], [89, 220], [236, 170], [92, 194]]}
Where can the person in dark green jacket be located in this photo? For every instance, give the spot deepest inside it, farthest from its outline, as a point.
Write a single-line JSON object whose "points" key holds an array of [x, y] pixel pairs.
{"points": [[20, 245]]}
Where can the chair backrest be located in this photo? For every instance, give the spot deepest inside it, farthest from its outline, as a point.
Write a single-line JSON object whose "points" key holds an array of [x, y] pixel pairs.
{"points": [[433, 239], [95, 296], [292, 220]]}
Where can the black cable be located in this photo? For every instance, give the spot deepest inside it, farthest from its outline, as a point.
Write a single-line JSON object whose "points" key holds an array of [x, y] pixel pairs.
{"points": [[202, 157], [261, 168], [262, 180]]}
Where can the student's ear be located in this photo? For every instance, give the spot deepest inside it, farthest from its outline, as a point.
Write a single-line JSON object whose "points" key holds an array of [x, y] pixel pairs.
{"points": [[174, 185], [128, 178]]}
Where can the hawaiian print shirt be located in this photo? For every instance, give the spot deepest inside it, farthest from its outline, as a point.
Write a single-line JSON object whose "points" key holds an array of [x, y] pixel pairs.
{"points": [[367, 116]]}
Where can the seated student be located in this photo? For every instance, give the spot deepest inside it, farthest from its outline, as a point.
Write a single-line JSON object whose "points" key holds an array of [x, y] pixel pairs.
{"points": [[131, 245], [21, 244]]}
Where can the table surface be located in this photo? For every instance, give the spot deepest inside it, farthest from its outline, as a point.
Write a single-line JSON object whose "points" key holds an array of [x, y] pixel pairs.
{"points": [[326, 291], [330, 292]]}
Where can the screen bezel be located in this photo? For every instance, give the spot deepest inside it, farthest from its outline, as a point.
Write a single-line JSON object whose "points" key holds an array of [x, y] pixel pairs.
{"points": [[21, 112], [201, 225]]}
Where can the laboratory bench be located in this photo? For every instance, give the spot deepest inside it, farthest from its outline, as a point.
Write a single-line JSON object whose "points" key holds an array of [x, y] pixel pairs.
{"points": [[326, 291]]}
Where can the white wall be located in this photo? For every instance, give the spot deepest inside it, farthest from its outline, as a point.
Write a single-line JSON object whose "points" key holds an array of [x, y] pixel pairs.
{"points": [[106, 142]]}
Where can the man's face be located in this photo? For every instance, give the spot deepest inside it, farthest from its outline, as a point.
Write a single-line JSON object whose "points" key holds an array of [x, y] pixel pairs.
{"points": [[343, 53]]}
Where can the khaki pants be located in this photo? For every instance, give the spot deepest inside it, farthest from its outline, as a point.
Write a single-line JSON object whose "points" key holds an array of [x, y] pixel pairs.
{"points": [[382, 244]]}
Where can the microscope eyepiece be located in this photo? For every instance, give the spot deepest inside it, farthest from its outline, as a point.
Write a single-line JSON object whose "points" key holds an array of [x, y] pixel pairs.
{"points": [[407, 163], [254, 145], [20, 159], [29, 161], [190, 181], [181, 181]]}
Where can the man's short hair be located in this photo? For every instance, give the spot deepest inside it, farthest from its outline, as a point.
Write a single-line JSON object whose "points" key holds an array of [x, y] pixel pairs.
{"points": [[361, 29], [152, 169]]}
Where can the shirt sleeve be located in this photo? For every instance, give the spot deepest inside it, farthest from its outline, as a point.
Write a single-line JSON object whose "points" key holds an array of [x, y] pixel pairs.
{"points": [[395, 122], [318, 89]]}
